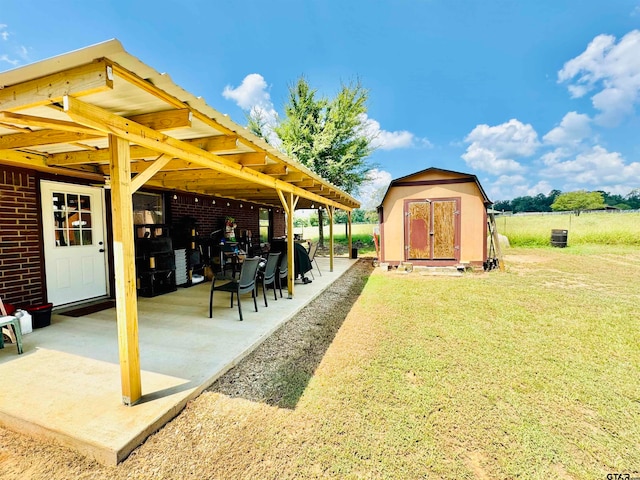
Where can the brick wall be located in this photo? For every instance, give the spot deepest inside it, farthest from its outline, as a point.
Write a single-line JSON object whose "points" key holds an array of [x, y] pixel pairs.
{"points": [[210, 216], [21, 257], [21, 282], [279, 223]]}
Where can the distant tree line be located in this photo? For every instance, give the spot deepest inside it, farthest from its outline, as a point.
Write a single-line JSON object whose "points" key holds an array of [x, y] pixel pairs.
{"points": [[571, 201]]}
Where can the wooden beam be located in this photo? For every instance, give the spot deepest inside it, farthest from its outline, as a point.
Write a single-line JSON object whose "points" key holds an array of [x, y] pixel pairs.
{"points": [[294, 177], [42, 122], [44, 137], [276, 170], [84, 80], [170, 99], [23, 159], [215, 144], [305, 184], [165, 120], [248, 159], [96, 117], [283, 200], [218, 143], [59, 131], [291, 201], [140, 179], [174, 165], [125, 273]]}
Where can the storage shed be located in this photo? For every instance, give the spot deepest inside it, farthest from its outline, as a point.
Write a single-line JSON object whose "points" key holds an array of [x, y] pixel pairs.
{"points": [[434, 217]]}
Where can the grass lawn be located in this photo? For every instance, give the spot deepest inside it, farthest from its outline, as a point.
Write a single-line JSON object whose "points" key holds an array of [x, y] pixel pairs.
{"points": [[360, 232], [586, 228], [531, 373]]}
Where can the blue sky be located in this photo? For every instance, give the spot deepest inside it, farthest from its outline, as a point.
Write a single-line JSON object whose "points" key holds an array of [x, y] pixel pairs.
{"points": [[527, 95]]}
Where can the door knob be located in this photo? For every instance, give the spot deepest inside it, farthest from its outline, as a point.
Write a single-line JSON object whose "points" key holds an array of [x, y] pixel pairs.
{"points": [[101, 250]]}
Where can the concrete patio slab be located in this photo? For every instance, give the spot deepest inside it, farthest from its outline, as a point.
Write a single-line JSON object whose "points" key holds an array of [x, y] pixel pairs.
{"points": [[66, 386]]}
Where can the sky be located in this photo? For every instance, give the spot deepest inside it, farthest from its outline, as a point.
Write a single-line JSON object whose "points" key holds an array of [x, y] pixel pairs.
{"points": [[529, 96]]}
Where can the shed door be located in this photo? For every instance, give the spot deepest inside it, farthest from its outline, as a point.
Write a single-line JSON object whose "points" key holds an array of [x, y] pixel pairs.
{"points": [[431, 229]]}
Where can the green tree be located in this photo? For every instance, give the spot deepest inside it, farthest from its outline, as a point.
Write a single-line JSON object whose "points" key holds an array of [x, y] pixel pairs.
{"points": [[300, 222], [633, 198], [371, 216], [257, 124], [328, 135], [340, 217], [578, 201]]}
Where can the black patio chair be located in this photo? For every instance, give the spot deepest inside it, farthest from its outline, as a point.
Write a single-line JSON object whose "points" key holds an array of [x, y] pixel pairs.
{"points": [[268, 277], [245, 284], [283, 271]]}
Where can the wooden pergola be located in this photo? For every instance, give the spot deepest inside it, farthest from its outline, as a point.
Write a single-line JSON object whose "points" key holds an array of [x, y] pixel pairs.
{"points": [[102, 115]]}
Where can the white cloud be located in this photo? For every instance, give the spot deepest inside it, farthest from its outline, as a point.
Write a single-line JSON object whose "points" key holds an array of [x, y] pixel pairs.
{"points": [[23, 52], [371, 191], [512, 186], [493, 149], [252, 96], [10, 52], [612, 70], [386, 140], [596, 166], [11, 61], [506, 186], [252, 91], [573, 128], [542, 186]]}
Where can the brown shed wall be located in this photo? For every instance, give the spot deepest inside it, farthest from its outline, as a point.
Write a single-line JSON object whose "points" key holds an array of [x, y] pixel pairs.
{"points": [[473, 222]]}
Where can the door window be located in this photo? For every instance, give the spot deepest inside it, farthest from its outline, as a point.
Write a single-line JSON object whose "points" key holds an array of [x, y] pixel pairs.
{"points": [[72, 217]]}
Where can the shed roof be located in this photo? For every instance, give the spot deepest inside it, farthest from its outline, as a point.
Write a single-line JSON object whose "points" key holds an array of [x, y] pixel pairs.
{"points": [[56, 115], [460, 178]]}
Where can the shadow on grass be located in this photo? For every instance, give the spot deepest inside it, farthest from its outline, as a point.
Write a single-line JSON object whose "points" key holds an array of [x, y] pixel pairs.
{"points": [[279, 370]]}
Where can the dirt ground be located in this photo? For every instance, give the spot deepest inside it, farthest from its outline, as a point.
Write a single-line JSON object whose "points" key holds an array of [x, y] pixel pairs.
{"points": [[183, 448]]}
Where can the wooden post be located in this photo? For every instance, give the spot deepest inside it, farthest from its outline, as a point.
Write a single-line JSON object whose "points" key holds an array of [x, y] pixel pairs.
{"points": [[330, 210], [496, 241], [349, 237], [289, 202], [125, 273], [290, 243]]}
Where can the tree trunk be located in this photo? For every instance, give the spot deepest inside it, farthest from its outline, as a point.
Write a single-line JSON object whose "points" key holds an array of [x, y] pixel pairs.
{"points": [[321, 230]]}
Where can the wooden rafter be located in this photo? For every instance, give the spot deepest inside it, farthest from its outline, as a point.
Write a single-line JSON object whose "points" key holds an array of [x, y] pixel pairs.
{"points": [[84, 80], [59, 131], [213, 144], [140, 179], [171, 100], [100, 119]]}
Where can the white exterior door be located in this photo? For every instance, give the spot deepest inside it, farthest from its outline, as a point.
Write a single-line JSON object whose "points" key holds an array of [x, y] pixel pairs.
{"points": [[74, 242]]}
